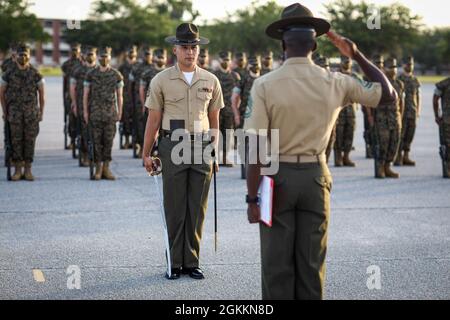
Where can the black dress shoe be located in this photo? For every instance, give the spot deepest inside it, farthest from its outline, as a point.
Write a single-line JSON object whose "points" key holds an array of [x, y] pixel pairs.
{"points": [[175, 274], [194, 273]]}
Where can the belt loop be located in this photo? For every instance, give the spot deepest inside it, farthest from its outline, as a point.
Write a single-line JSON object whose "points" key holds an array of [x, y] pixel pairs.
{"points": [[298, 158]]}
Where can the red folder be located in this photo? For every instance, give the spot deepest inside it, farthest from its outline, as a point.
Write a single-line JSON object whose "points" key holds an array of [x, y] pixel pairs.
{"points": [[265, 193]]}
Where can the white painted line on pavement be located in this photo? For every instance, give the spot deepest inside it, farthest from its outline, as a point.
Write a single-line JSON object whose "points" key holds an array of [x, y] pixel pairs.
{"points": [[38, 275]]}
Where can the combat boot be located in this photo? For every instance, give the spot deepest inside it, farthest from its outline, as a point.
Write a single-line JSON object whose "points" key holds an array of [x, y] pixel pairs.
{"points": [[84, 159], [27, 172], [380, 174], [107, 174], [98, 171], [18, 172], [447, 173], [126, 145], [407, 161], [138, 150], [369, 154], [399, 160], [389, 173], [338, 159], [346, 161]]}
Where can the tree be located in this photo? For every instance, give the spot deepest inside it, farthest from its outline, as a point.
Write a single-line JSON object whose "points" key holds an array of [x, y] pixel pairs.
{"points": [[433, 49], [176, 9], [244, 30], [121, 23], [18, 25], [399, 32]]}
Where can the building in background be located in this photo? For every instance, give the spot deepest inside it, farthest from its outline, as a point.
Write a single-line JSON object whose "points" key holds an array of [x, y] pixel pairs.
{"points": [[56, 51]]}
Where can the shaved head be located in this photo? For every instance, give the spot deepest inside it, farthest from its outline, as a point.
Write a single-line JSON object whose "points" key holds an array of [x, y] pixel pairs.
{"points": [[299, 41]]}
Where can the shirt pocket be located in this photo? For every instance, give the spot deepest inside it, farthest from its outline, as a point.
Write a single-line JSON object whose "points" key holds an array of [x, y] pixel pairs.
{"points": [[202, 102], [175, 102]]}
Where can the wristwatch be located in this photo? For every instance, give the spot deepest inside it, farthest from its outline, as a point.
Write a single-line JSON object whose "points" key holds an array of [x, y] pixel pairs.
{"points": [[251, 200]]}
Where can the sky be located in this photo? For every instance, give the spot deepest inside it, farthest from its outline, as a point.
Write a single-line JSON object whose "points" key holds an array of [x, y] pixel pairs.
{"points": [[435, 13]]}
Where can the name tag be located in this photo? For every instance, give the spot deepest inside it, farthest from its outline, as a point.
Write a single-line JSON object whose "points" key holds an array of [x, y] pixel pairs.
{"points": [[205, 90]]}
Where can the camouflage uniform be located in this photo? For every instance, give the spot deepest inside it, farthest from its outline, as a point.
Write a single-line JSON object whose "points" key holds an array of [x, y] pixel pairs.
{"points": [[266, 69], [78, 77], [345, 129], [135, 78], [68, 67], [228, 80], [23, 111], [7, 64], [244, 87], [102, 109], [410, 115], [387, 121], [241, 71], [443, 91], [148, 75], [125, 70], [203, 59], [378, 60]]}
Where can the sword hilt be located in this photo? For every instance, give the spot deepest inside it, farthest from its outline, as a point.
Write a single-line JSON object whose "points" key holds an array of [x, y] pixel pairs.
{"points": [[157, 166]]}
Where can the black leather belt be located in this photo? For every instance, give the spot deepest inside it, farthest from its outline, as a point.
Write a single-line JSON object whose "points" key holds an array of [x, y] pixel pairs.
{"points": [[203, 136]]}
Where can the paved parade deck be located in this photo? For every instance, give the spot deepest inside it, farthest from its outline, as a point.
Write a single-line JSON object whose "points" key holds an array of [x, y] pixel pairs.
{"points": [[112, 230]]}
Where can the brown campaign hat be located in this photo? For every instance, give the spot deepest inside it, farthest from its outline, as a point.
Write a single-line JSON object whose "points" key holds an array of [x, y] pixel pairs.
{"points": [[187, 34], [297, 16]]}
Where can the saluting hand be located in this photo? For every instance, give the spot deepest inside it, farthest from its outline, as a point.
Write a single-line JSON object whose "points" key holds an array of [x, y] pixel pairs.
{"points": [[347, 47]]}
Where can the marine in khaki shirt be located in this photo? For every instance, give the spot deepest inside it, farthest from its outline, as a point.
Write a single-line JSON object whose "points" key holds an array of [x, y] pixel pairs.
{"points": [[302, 101], [189, 98], [171, 94], [305, 126]]}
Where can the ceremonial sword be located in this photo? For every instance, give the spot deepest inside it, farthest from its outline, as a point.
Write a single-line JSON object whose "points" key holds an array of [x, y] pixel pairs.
{"points": [[155, 174]]}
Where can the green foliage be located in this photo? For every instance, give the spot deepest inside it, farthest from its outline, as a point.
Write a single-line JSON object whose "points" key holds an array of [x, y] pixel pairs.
{"points": [[433, 49], [399, 32], [244, 30], [121, 23], [18, 25]]}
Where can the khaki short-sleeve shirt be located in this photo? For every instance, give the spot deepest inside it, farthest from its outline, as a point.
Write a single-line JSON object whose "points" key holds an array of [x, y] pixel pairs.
{"points": [[170, 93], [303, 101]]}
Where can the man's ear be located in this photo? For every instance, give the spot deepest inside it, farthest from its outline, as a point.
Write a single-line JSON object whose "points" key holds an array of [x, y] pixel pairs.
{"points": [[174, 50]]}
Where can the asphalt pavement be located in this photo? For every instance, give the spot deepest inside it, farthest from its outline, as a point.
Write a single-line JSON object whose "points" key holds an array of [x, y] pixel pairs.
{"points": [[66, 237]]}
